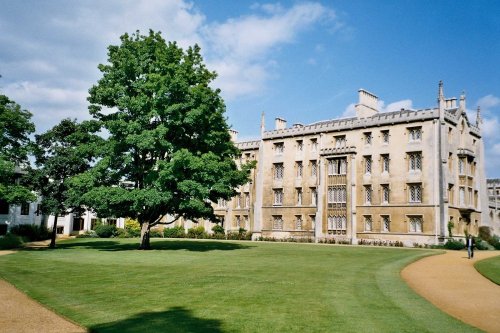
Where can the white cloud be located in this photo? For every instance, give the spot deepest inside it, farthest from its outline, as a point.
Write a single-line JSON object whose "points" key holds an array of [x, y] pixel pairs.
{"points": [[244, 44], [487, 102], [407, 104], [350, 111]]}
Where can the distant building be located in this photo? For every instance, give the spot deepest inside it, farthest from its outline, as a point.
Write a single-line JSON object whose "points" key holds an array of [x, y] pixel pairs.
{"points": [[494, 204]]}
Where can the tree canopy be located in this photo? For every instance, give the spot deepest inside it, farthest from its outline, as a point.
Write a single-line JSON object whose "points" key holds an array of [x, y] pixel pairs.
{"points": [[169, 149], [15, 129], [66, 150]]}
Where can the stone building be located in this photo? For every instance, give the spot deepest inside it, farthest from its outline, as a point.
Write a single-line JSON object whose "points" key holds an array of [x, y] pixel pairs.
{"points": [[409, 175], [494, 204]]}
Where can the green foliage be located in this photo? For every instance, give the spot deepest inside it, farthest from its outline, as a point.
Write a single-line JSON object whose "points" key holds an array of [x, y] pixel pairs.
{"points": [[106, 231], [451, 225], [452, 244], [240, 235], [155, 233], [15, 128], [495, 242], [218, 229], [30, 232], [168, 135], [174, 232], [485, 233], [482, 245], [197, 232], [133, 228], [10, 241]]}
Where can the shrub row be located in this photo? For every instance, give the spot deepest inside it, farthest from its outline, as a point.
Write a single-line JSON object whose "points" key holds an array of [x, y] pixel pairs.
{"points": [[30, 232]]}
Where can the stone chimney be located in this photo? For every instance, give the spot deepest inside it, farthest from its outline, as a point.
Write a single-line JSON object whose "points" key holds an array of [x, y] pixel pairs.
{"points": [[368, 104], [234, 135], [451, 103], [280, 123]]}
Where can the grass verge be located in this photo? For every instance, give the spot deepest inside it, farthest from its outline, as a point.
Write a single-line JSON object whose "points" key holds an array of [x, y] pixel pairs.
{"points": [[226, 286], [489, 268]]}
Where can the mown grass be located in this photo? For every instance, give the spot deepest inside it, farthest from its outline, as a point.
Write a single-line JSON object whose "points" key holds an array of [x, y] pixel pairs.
{"points": [[490, 268], [226, 286]]}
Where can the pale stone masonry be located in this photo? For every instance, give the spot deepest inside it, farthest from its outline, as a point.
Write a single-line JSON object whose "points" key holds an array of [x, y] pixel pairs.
{"points": [[408, 175], [494, 204]]}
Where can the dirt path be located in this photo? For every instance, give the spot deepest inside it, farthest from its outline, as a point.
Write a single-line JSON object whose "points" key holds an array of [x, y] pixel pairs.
{"points": [[451, 283], [21, 314]]}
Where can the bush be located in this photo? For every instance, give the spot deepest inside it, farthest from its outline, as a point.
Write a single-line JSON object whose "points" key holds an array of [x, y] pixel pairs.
{"points": [[482, 245], [174, 232], [197, 232], [485, 233], [106, 231], [88, 234], [452, 244], [133, 228], [30, 232], [10, 241], [122, 233], [218, 229], [495, 242], [155, 233]]}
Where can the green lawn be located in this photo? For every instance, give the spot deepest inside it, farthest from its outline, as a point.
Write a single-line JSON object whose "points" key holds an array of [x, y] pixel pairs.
{"points": [[490, 268], [227, 286]]}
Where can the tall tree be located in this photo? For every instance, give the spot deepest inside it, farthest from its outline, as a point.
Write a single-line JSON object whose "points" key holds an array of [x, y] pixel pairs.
{"points": [[168, 150], [66, 150], [15, 128]]}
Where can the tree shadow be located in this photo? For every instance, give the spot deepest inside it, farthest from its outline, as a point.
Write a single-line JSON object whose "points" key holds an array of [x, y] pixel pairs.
{"points": [[163, 245], [176, 319]]}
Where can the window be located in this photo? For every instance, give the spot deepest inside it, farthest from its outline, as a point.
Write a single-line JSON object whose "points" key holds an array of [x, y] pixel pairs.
{"points": [[222, 203], [238, 201], [337, 194], [298, 222], [415, 161], [336, 222], [367, 138], [25, 208], [314, 197], [368, 164], [415, 191], [38, 209], [278, 171], [450, 135], [312, 218], [277, 222], [385, 193], [385, 136], [299, 196], [4, 207], [385, 163], [368, 194], [368, 223], [450, 162], [461, 196], [314, 168], [77, 224], [337, 166], [93, 223], [414, 134], [299, 168], [111, 221], [415, 223], [279, 147], [246, 225], [300, 145], [461, 166], [237, 221], [247, 200], [278, 196], [340, 141], [314, 144], [386, 223]]}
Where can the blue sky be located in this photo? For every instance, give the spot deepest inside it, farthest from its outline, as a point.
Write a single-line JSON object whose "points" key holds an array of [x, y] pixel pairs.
{"points": [[303, 61]]}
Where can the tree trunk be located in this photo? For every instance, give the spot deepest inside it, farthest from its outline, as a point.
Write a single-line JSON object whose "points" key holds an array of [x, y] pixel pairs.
{"points": [[54, 233], [145, 244]]}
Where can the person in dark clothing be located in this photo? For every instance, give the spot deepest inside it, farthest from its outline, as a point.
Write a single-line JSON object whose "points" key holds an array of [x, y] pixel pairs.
{"points": [[470, 243]]}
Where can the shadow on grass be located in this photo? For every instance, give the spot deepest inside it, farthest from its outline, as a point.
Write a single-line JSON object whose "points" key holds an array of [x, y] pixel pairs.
{"points": [[112, 245], [176, 319]]}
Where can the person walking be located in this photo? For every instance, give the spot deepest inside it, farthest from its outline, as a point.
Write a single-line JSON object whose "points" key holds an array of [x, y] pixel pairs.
{"points": [[470, 243]]}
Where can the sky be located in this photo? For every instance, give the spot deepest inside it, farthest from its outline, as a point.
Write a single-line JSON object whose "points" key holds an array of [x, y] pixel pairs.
{"points": [[303, 61]]}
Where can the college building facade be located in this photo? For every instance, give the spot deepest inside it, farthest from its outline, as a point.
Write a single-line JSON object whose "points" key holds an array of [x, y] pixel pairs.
{"points": [[414, 176]]}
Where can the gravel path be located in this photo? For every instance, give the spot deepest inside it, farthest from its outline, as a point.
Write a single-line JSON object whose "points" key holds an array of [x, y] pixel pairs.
{"points": [[451, 283]]}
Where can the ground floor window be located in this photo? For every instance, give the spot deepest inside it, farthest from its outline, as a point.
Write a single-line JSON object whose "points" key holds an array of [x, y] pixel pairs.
{"points": [[368, 223], [4, 207], [111, 222], [416, 223], [93, 223], [277, 222], [298, 222], [3, 229], [77, 224], [25, 208], [386, 223]]}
